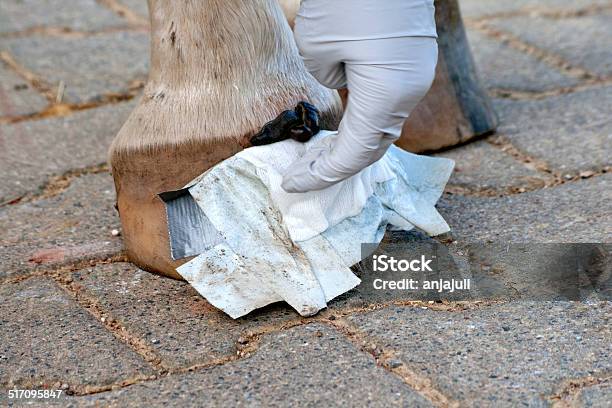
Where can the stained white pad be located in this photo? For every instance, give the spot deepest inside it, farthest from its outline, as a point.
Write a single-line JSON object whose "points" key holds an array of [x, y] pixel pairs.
{"points": [[272, 246]]}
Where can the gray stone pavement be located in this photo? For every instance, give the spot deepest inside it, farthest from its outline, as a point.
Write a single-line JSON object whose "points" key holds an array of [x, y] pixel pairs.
{"points": [[18, 96], [74, 315], [583, 41], [91, 67], [47, 338], [571, 132], [502, 67], [310, 365], [188, 330], [59, 230], [578, 212], [504, 355], [77, 15], [481, 166], [71, 143]]}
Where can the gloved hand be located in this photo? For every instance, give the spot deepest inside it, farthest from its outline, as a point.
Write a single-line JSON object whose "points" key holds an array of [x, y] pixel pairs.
{"points": [[331, 161], [382, 95]]}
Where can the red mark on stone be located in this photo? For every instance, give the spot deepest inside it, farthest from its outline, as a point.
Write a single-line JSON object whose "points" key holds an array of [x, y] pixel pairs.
{"points": [[71, 253], [46, 256]]}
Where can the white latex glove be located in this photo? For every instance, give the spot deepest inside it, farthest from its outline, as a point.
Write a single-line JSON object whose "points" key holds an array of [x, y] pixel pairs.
{"points": [[331, 162], [386, 77]]}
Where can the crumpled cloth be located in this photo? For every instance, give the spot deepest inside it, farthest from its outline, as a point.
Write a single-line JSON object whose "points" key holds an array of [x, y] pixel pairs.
{"points": [[260, 245]]}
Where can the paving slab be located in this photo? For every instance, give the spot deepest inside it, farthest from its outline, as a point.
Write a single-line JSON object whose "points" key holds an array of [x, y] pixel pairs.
{"points": [[177, 322], [74, 225], [47, 338], [502, 67], [305, 366], [584, 41], [573, 212], [571, 132], [597, 396], [483, 8], [479, 165], [90, 66], [499, 356], [33, 151], [77, 15], [16, 96]]}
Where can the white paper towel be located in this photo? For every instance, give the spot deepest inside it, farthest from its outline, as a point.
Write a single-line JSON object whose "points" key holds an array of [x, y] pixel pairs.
{"points": [[298, 248]]}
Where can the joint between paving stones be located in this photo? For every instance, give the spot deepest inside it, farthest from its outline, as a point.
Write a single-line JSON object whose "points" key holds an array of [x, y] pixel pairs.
{"points": [[85, 390], [246, 346], [571, 389], [68, 32], [92, 305], [557, 180], [64, 109], [517, 95], [35, 81], [547, 57], [57, 184], [71, 267], [386, 359], [57, 108], [124, 12], [556, 177], [488, 192], [442, 306], [558, 14], [504, 144], [553, 178], [331, 314]]}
